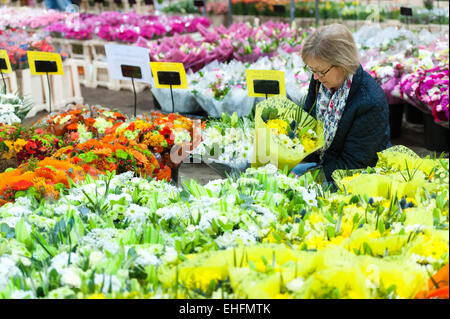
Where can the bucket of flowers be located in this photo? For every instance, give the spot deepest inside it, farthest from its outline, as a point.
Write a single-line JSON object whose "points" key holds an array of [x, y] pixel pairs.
{"points": [[227, 144], [284, 133]]}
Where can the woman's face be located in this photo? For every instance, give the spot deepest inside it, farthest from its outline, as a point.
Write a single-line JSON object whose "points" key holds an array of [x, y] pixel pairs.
{"points": [[329, 75]]}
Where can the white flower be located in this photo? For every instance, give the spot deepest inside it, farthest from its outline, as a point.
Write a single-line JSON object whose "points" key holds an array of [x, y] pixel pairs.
{"points": [[170, 255], [8, 269], [296, 284], [95, 258], [70, 277], [61, 261], [146, 258], [23, 201], [101, 124], [108, 281], [19, 211]]}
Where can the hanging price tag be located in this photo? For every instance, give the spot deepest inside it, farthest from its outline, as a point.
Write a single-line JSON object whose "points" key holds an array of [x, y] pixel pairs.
{"points": [[5, 65], [405, 11], [125, 62], [45, 63], [199, 3], [131, 71], [169, 75], [262, 83], [279, 8]]}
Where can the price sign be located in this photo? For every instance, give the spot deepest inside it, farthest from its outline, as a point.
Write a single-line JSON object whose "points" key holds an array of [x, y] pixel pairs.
{"points": [[131, 71], [405, 11], [5, 65], [169, 75], [279, 8], [262, 83], [125, 62], [45, 63], [199, 3]]}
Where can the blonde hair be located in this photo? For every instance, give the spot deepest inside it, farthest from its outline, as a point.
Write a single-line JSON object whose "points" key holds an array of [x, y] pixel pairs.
{"points": [[334, 44]]}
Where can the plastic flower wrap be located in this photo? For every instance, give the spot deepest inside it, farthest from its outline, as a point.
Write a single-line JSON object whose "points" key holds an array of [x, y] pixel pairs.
{"points": [[284, 133], [13, 108], [228, 141], [399, 172], [221, 88]]}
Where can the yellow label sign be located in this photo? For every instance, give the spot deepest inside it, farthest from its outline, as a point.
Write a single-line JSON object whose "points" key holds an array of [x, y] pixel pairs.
{"points": [[261, 81], [166, 74], [4, 55], [45, 62]]}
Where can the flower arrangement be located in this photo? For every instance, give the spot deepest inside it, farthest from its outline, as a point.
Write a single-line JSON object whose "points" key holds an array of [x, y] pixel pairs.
{"points": [[228, 141], [293, 134], [13, 108]]}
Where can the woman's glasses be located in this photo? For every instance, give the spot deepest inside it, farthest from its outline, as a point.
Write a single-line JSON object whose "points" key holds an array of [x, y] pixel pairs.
{"points": [[319, 73]]}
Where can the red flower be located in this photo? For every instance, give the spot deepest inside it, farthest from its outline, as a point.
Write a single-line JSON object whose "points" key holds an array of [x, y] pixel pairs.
{"points": [[22, 185], [31, 147], [131, 127], [168, 135], [39, 131]]}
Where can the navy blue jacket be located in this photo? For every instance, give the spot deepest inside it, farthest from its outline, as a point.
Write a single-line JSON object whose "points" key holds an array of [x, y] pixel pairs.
{"points": [[363, 129]]}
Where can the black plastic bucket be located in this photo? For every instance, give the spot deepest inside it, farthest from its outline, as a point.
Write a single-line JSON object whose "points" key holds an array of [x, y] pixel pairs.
{"points": [[413, 114], [436, 136], [396, 119]]}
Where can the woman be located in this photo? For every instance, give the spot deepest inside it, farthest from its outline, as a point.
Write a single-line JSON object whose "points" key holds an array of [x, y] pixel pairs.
{"points": [[347, 100], [60, 5]]}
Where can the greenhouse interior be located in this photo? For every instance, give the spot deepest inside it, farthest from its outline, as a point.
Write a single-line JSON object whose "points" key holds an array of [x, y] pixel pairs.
{"points": [[224, 149]]}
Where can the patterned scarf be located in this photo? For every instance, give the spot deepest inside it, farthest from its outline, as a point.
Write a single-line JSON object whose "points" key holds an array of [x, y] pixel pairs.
{"points": [[329, 109]]}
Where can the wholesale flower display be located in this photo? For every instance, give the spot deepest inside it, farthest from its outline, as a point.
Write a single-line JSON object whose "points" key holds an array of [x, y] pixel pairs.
{"points": [[29, 18], [261, 235], [240, 41], [98, 140], [18, 42], [123, 27]]}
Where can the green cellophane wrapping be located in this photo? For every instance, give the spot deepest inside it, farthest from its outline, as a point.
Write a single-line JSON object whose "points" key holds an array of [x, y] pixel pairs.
{"points": [[395, 160], [267, 150]]}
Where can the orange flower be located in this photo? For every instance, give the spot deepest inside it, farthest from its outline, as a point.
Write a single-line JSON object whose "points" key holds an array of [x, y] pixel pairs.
{"points": [[164, 174], [22, 185], [103, 151], [139, 156], [45, 172]]}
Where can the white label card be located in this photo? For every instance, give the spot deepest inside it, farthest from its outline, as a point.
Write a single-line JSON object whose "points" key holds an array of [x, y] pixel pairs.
{"points": [[126, 59]]}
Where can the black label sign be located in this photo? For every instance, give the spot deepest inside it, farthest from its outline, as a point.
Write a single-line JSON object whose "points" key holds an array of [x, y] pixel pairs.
{"points": [[266, 86], [3, 65], [199, 3], [148, 2], [46, 66], [131, 71], [279, 8], [404, 11], [169, 78]]}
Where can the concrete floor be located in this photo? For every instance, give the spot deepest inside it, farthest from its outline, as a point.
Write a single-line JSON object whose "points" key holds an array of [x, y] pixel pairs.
{"points": [[412, 135]]}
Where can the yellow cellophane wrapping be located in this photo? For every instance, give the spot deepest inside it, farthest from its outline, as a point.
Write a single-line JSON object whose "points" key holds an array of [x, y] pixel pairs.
{"points": [[267, 150]]}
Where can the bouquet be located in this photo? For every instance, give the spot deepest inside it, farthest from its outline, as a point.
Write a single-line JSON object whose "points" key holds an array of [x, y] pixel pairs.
{"points": [[13, 108], [227, 141], [284, 133]]}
